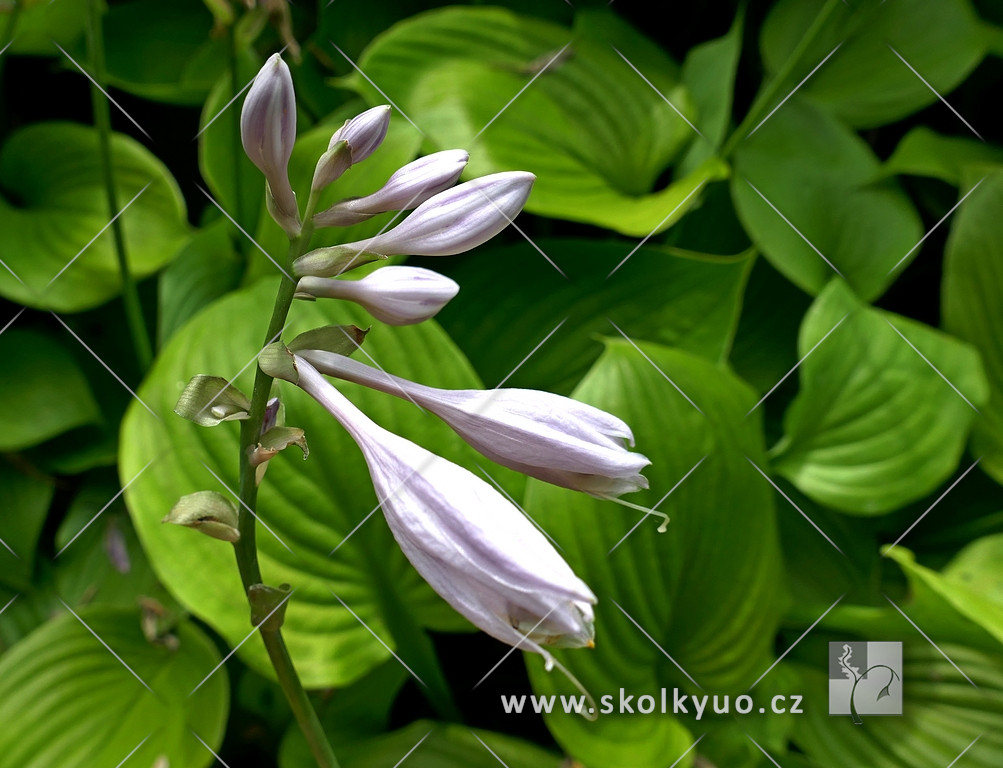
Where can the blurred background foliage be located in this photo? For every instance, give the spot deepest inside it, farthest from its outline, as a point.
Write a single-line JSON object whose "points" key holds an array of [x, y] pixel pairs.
{"points": [[793, 299]]}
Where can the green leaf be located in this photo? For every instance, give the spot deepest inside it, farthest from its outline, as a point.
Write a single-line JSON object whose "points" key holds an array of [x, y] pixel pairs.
{"points": [[39, 25], [922, 152], [943, 714], [442, 746], [818, 174], [205, 269], [972, 292], [43, 391], [53, 204], [312, 506], [594, 132], [24, 499], [874, 425], [708, 591], [177, 65], [65, 700], [865, 83], [660, 294]]}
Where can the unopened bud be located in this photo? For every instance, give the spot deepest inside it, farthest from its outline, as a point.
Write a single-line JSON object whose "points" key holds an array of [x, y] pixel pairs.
{"points": [[361, 136]]}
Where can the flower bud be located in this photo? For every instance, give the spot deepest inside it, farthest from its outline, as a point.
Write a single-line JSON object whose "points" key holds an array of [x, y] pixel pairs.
{"points": [[410, 186], [472, 545], [451, 222], [208, 512], [393, 295], [543, 435], [268, 132], [358, 138]]}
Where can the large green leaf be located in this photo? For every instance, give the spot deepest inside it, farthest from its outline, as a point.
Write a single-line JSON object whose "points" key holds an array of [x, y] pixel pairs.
{"points": [[43, 390], [39, 25], [708, 591], [53, 204], [441, 746], [175, 60], [818, 173], [311, 506], [66, 700], [595, 133], [660, 294], [874, 425], [865, 83], [972, 292], [943, 714], [922, 152]]}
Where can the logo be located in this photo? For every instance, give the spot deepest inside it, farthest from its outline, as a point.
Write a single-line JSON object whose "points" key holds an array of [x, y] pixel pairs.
{"points": [[865, 679]]}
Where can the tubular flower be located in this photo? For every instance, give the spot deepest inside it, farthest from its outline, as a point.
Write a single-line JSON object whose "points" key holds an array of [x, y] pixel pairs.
{"points": [[547, 436], [393, 295], [472, 545], [356, 140], [268, 132], [448, 223], [409, 186]]}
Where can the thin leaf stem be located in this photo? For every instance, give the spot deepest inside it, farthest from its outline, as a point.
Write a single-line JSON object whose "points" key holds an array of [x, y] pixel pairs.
{"points": [[102, 120]]}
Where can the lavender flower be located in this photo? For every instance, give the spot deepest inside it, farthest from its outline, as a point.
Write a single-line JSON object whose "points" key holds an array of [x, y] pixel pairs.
{"points": [[472, 546], [393, 295], [410, 186], [547, 436], [451, 222], [356, 140], [268, 132]]}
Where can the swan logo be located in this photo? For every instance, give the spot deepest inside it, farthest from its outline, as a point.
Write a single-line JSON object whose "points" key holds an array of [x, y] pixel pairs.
{"points": [[865, 679]]}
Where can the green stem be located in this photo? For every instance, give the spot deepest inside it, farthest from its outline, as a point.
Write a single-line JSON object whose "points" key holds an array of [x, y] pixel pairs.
{"points": [[102, 120], [245, 549], [767, 96]]}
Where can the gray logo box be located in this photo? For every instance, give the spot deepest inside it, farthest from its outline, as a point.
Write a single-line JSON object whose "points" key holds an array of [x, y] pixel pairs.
{"points": [[865, 678]]}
